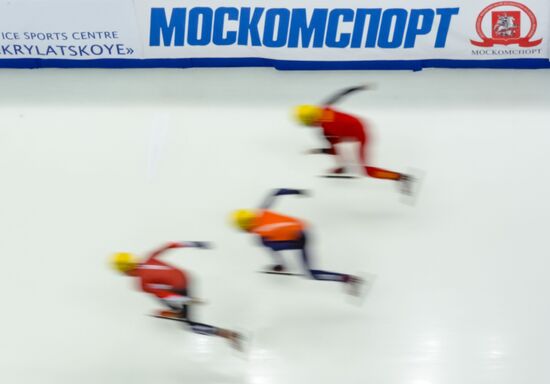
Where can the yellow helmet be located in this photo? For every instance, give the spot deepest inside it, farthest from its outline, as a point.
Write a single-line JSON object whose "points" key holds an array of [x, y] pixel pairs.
{"points": [[124, 261], [243, 218], [308, 114]]}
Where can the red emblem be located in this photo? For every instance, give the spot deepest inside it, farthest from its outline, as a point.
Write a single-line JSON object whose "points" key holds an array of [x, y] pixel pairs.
{"points": [[506, 25]]}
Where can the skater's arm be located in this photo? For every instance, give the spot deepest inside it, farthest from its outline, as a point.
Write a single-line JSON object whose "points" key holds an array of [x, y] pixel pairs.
{"points": [[337, 97], [330, 150], [181, 244], [322, 151], [270, 200]]}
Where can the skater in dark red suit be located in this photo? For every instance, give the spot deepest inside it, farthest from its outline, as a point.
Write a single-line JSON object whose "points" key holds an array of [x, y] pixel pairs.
{"points": [[340, 127], [170, 285]]}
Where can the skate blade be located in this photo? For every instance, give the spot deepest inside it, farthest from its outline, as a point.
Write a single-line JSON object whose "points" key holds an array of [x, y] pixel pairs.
{"points": [[280, 273], [181, 320], [345, 177], [411, 198], [245, 344], [365, 289]]}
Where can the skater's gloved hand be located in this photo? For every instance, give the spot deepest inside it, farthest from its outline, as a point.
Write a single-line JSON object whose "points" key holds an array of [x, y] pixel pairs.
{"points": [[315, 151], [200, 244], [289, 191], [369, 87]]}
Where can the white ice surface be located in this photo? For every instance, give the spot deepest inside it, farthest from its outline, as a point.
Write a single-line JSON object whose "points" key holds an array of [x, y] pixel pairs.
{"points": [[93, 162]]}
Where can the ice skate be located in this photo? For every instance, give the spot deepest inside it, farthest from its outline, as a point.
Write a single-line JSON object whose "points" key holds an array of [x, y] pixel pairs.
{"points": [[276, 268], [409, 186], [236, 340], [339, 173], [355, 286], [406, 184]]}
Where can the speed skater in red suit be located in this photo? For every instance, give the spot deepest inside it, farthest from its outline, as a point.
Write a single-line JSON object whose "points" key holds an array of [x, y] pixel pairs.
{"points": [[170, 286], [339, 127]]}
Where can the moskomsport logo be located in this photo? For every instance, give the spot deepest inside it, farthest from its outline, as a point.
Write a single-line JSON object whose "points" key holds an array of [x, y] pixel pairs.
{"points": [[506, 23]]}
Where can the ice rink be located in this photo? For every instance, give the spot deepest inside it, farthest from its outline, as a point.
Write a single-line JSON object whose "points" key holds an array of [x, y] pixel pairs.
{"points": [[95, 161]]}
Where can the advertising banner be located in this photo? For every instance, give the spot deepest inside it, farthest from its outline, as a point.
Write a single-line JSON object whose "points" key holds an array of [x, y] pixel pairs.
{"points": [[312, 34], [68, 29]]}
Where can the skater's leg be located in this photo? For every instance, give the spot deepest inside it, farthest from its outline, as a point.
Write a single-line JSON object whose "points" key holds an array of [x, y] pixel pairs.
{"points": [[329, 276], [317, 274], [176, 301], [333, 141], [275, 248], [233, 337], [186, 309], [203, 329], [278, 265], [377, 173], [352, 283], [302, 247]]}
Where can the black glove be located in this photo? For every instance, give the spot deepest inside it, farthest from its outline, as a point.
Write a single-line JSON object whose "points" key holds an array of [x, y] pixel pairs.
{"points": [[200, 244]]}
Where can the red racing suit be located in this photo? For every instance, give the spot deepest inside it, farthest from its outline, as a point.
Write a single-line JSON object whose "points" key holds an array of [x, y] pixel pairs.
{"points": [[159, 278], [340, 127]]}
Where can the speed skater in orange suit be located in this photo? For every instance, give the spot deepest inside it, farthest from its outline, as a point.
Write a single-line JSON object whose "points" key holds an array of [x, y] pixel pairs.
{"points": [[279, 232]]}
